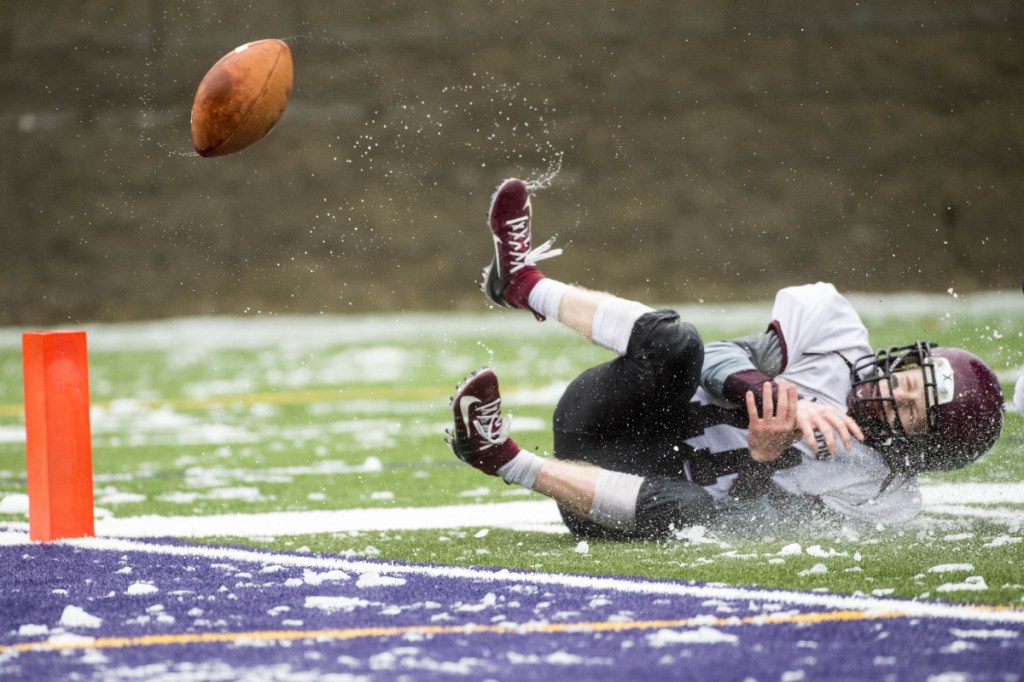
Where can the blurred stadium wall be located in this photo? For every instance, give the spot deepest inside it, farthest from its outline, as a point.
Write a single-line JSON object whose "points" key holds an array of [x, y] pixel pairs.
{"points": [[707, 151]]}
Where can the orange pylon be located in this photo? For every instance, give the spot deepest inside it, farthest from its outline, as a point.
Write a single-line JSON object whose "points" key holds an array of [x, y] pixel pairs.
{"points": [[58, 437]]}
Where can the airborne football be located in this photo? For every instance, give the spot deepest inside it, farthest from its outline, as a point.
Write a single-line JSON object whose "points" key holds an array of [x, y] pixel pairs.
{"points": [[241, 97]]}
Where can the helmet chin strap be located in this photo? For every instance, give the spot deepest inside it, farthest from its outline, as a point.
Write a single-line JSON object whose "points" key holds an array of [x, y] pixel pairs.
{"points": [[893, 473]]}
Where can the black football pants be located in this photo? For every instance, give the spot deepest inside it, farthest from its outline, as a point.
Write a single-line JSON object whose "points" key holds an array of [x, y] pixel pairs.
{"points": [[632, 415]]}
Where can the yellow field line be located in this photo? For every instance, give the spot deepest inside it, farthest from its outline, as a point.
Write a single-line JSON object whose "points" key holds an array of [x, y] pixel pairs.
{"points": [[269, 398], [358, 633]]}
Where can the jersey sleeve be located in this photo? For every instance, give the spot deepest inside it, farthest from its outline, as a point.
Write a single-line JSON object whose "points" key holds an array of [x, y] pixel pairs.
{"points": [[724, 359], [731, 368], [815, 319]]}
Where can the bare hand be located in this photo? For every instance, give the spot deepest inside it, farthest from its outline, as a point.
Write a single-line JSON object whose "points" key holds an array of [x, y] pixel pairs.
{"points": [[771, 434], [812, 417]]}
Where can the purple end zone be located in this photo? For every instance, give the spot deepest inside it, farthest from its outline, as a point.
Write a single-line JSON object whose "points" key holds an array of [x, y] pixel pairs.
{"points": [[311, 619]]}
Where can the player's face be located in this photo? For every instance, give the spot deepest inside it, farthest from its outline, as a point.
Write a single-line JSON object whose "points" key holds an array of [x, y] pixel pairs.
{"points": [[907, 391]]}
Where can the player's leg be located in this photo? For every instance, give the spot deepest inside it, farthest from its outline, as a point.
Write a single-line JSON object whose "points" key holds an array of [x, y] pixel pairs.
{"points": [[598, 421], [594, 502], [631, 417], [513, 280], [619, 474], [480, 437]]}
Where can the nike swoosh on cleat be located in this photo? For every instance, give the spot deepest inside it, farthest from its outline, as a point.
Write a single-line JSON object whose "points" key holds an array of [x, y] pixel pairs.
{"points": [[465, 404]]}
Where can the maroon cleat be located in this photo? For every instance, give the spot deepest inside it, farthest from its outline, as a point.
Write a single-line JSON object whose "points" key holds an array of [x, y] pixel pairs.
{"points": [[480, 436], [513, 272]]}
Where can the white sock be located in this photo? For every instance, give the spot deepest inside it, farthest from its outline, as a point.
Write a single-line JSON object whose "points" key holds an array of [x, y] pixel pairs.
{"points": [[546, 296], [615, 500], [613, 323], [522, 469]]}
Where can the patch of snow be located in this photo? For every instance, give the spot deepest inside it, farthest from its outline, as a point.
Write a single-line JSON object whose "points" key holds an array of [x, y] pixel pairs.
{"points": [[117, 497], [818, 552], [69, 639], [331, 604], [377, 580], [983, 634], [313, 578], [950, 568], [246, 493], [816, 569], [77, 617], [702, 635], [481, 491], [30, 630], [959, 647], [489, 600], [16, 503], [974, 583], [139, 589], [1003, 540]]}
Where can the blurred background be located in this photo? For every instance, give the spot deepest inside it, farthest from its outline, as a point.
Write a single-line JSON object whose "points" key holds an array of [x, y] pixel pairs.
{"points": [[695, 151]]}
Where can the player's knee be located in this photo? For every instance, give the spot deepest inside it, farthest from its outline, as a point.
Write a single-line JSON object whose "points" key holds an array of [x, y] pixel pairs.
{"points": [[663, 505], [675, 347], [668, 504]]}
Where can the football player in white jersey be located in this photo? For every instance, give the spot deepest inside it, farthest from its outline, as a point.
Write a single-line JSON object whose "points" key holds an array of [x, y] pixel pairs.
{"points": [[657, 438]]}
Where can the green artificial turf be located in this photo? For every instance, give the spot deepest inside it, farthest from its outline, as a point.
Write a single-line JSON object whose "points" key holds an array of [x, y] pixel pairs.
{"points": [[204, 417]]}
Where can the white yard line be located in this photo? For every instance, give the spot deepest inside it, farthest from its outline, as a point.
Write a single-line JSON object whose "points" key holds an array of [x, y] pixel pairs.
{"points": [[538, 513], [596, 583], [978, 500], [541, 515], [994, 513], [973, 493]]}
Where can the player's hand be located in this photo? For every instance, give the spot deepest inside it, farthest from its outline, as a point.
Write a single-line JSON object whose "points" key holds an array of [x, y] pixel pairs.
{"points": [[771, 434], [813, 419]]}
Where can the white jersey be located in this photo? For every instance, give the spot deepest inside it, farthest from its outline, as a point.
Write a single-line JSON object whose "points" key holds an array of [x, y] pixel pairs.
{"points": [[818, 328]]}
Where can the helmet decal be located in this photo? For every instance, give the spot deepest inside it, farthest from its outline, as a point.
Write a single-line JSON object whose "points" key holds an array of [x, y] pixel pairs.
{"points": [[944, 380]]}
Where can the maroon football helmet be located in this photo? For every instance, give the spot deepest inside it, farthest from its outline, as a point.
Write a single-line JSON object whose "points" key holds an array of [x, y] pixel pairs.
{"points": [[964, 407]]}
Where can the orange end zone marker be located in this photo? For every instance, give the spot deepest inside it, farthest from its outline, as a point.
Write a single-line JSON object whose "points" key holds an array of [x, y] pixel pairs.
{"points": [[58, 436]]}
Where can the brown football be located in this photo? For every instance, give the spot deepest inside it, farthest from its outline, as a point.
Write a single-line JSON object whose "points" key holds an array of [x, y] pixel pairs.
{"points": [[241, 97]]}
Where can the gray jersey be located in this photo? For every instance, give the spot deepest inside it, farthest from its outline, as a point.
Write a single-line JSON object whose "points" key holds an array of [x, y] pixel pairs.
{"points": [[817, 328]]}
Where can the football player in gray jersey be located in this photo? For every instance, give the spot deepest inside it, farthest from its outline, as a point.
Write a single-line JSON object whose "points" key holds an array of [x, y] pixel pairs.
{"points": [[657, 438]]}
